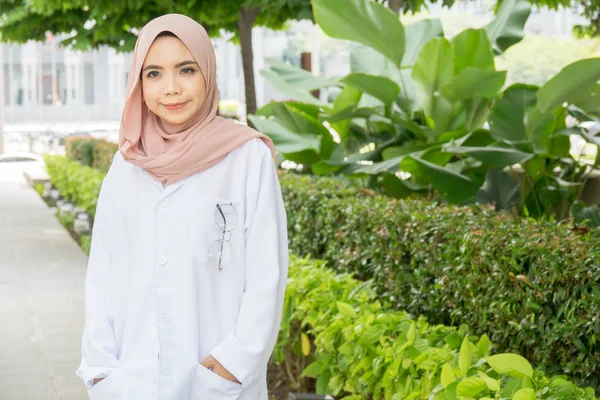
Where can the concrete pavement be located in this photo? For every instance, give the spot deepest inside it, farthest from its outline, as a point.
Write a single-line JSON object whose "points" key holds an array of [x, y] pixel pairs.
{"points": [[42, 273]]}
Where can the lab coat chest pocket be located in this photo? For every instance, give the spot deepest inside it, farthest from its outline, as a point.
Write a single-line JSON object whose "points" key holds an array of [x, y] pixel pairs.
{"points": [[217, 233]]}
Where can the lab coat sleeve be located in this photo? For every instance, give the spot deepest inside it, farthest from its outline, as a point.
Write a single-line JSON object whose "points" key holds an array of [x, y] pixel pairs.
{"points": [[98, 346], [246, 349]]}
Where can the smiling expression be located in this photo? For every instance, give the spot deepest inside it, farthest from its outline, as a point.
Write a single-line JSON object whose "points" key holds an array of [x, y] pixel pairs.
{"points": [[173, 86]]}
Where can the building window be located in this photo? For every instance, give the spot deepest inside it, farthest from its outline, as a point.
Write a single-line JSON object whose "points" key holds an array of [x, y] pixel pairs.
{"points": [[88, 74]]}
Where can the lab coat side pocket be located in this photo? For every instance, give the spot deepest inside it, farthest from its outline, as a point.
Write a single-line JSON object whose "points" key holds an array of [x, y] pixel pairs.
{"points": [[206, 385], [107, 388]]}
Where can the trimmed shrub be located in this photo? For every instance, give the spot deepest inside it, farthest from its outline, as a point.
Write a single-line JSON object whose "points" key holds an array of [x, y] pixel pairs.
{"points": [[361, 349], [533, 287]]}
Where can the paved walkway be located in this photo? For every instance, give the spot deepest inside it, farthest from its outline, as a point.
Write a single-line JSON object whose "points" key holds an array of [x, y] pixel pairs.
{"points": [[42, 272]]}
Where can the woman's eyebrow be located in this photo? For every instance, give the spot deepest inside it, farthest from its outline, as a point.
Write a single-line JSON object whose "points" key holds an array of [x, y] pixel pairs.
{"points": [[181, 64]]}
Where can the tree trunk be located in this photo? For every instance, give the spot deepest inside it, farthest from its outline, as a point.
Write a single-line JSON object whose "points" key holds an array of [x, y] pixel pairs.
{"points": [[245, 22], [395, 5]]}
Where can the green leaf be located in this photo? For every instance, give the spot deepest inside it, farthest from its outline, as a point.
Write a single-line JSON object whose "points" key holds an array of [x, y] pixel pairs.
{"points": [[492, 384], [362, 21], [471, 387], [447, 376], [432, 70], [499, 188], [483, 346], [289, 90], [477, 111], [297, 77], [511, 364], [524, 394], [313, 370], [507, 28], [508, 118], [348, 98], [472, 49], [493, 156], [380, 87], [285, 140], [452, 186], [323, 382], [464, 358], [417, 35], [588, 215], [474, 82], [346, 309], [569, 84]]}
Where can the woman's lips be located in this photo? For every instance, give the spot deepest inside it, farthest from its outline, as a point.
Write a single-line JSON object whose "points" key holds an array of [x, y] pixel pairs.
{"points": [[175, 106]]}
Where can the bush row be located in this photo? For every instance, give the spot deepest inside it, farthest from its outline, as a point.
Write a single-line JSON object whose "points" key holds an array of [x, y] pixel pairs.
{"points": [[97, 153], [533, 287], [362, 349]]}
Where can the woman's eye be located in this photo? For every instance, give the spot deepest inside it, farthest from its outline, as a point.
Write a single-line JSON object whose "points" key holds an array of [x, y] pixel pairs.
{"points": [[152, 74], [188, 70]]}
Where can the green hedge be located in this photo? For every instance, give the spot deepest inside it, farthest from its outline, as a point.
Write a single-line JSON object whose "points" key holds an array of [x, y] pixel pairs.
{"points": [[533, 287], [361, 349], [97, 153], [77, 183]]}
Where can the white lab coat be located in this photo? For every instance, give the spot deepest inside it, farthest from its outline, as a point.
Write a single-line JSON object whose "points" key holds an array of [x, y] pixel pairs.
{"points": [[156, 306]]}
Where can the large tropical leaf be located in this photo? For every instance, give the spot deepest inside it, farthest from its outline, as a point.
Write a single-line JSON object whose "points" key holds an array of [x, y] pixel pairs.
{"points": [[507, 121], [346, 100], [288, 89], [572, 83], [476, 112], [453, 187], [474, 82], [362, 21], [380, 87], [298, 77], [433, 69], [472, 49], [493, 156], [588, 215], [417, 35], [285, 140], [507, 28]]}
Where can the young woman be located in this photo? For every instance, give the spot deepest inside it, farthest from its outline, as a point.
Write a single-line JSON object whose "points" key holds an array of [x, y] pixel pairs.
{"points": [[188, 263]]}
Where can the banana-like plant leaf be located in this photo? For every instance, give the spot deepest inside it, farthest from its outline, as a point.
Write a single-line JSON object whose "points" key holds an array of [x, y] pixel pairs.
{"points": [[289, 90], [433, 69], [492, 156], [507, 29], [298, 77], [417, 35], [380, 87], [362, 21], [588, 215], [453, 187], [571, 84], [285, 140], [474, 82], [508, 118], [501, 189], [346, 100], [472, 49]]}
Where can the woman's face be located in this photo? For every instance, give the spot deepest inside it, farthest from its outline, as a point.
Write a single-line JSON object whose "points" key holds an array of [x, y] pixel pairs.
{"points": [[173, 86]]}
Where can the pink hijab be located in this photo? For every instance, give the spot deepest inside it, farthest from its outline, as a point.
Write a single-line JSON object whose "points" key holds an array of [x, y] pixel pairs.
{"points": [[204, 140]]}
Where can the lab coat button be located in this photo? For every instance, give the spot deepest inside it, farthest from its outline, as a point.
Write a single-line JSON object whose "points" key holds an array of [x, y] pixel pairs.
{"points": [[165, 203], [162, 260]]}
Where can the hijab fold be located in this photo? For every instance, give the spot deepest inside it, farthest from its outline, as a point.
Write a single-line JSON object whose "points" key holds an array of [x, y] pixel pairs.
{"points": [[199, 144]]}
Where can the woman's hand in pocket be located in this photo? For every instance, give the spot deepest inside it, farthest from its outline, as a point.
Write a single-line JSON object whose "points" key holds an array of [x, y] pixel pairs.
{"points": [[95, 381], [211, 363]]}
